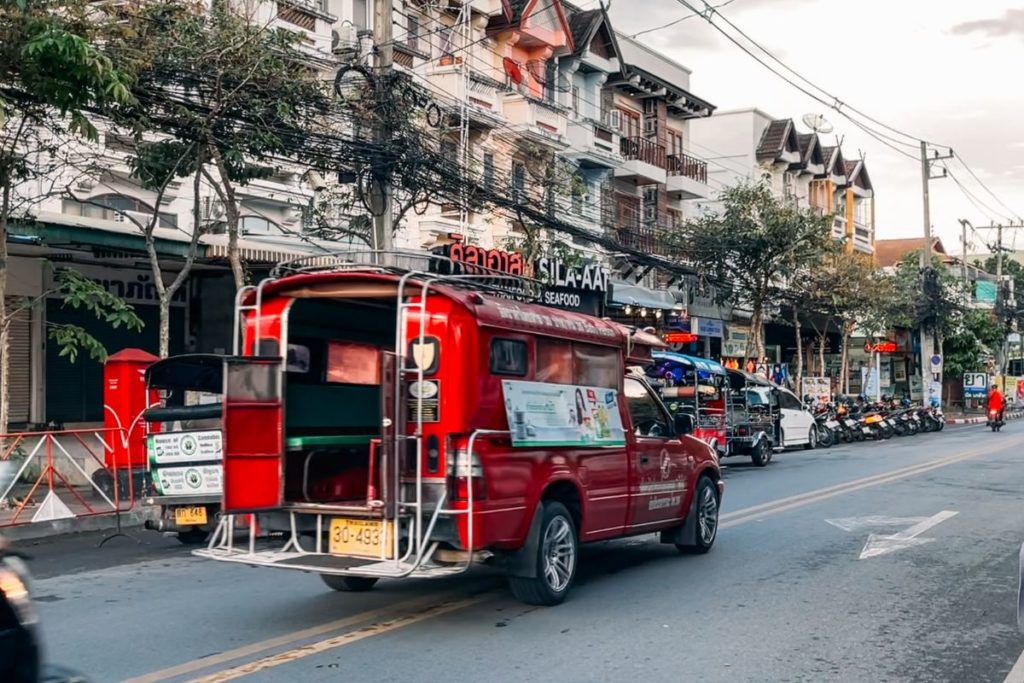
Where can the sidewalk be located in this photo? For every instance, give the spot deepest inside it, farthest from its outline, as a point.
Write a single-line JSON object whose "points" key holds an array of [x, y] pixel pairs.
{"points": [[974, 418]]}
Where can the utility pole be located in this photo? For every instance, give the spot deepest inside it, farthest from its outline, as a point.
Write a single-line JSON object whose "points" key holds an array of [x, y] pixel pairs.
{"points": [[964, 223], [383, 219], [927, 346]]}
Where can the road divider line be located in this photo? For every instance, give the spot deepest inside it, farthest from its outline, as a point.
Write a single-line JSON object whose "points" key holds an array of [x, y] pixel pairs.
{"points": [[451, 604], [263, 646], [785, 504], [322, 646]]}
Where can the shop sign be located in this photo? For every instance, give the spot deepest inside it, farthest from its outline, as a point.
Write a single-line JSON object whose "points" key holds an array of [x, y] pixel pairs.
{"points": [[975, 385], [582, 288], [881, 347], [707, 327], [680, 337], [131, 286]]}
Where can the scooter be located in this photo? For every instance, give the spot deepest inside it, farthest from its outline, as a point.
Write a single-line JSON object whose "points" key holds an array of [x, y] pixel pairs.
{"points": [[995, 420], [20, 649]]}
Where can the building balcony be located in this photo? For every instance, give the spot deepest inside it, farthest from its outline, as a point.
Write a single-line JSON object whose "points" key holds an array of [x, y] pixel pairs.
{"points": [[313, 25], [484, 101], [863, 238], [538, 121], [645, 162], [593, 145], [687, 177], [839, 227]]}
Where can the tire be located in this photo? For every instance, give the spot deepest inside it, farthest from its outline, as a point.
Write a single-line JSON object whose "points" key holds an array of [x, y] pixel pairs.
{"points": [[914, 428], [348, 584], [812, 439], [707, 511], [760, 455], [826, 437], [887, 432], [193, 537], [557, 558]]}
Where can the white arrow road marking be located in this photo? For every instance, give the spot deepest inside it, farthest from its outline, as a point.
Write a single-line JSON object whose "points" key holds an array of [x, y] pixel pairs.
{"points": [[882, 545], [853, 523]]}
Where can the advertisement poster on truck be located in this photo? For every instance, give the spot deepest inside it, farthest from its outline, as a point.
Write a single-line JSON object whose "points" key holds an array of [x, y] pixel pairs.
{"points": [[542, 414]]}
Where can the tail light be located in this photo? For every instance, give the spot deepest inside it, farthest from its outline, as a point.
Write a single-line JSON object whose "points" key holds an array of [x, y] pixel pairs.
{"points": [[464, 470], [993, 412]]}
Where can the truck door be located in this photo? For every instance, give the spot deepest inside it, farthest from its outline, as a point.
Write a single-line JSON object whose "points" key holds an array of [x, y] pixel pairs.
{"points": [[659, 468], [253, 424]]}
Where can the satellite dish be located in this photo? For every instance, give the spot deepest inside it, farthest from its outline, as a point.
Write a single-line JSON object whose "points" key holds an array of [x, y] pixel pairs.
{"points": [[817, 123]]}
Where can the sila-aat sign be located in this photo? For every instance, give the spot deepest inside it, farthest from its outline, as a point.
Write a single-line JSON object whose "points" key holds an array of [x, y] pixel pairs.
{"points": [[582, 288]]}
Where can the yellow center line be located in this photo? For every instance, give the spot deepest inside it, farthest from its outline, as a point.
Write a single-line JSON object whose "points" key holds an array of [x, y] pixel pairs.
{"points": [[341, 640], [413, 616]]}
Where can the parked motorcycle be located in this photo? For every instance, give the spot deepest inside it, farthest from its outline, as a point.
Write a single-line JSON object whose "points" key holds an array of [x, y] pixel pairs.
{"points": [[827, 426], [20, 649]]}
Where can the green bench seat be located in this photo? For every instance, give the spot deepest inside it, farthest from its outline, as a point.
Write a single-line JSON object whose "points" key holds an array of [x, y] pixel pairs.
{"points": [[299, 443]]}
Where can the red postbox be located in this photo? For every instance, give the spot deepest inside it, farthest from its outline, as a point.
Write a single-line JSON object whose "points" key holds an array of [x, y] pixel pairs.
{"points": [[124, 399]]}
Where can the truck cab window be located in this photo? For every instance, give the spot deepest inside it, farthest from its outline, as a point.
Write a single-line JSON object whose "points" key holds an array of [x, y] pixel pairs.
{"points": [[509, 357], [645, 412]]}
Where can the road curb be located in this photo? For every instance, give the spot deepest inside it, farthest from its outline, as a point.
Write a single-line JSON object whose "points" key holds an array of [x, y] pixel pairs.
{"points": [[980, 419], [75, 525]]}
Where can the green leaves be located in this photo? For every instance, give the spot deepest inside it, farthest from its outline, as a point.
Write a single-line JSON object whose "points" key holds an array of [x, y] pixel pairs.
{"points": [[78, 291]]}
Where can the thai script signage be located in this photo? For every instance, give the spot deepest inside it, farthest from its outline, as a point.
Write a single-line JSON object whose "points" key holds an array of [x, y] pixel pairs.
{"points": [[131, 285], [582, 288], [881, 347]]}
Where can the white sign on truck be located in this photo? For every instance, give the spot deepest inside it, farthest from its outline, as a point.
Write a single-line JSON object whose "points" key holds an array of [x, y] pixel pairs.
{"points": [[181, 447], [187, 481]]}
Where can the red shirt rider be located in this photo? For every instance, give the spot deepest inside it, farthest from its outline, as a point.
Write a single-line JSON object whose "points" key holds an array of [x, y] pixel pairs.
{"points": [[996, 401]]}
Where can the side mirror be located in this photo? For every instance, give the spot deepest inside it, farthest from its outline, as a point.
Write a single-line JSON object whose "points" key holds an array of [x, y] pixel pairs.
{"points": [[684, 424]]}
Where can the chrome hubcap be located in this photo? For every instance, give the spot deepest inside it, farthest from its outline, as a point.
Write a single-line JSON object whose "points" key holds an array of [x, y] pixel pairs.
{"points": [[707, 516], [559, 554]]}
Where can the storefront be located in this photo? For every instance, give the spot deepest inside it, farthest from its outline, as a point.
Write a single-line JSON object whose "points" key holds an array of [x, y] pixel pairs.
{"points": [[24, 285], [74, 390]]}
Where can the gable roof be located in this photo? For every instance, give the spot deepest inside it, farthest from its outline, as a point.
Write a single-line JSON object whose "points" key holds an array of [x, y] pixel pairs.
{"points": [[810, 151], [514, 11], [778, 138], [889, 253], [835, 164], [585, 24]]}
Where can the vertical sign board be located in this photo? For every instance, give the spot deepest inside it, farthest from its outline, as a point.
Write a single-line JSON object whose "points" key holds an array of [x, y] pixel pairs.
{"points": [[975, 385]]}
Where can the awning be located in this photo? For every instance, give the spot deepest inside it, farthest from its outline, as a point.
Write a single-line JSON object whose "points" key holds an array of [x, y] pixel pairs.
{"points": [[626, 294], [267, 252]]}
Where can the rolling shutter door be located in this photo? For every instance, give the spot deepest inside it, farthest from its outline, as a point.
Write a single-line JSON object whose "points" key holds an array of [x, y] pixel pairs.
{"points": [[20, 344]]}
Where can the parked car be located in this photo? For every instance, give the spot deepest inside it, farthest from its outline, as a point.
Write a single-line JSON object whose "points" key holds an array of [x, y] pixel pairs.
{"points": [[798, 426]]}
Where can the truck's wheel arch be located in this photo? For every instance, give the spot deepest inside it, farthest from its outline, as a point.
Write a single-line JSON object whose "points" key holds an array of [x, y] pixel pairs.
{"points": [[523, 562]]}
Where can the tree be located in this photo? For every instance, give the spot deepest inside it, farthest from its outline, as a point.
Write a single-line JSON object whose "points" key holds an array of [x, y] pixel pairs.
{"points": [[53, 73], [966, 348], [754, 246], [216, 99]]}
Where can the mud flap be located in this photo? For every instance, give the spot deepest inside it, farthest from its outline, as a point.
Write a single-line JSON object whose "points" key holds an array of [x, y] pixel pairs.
{"points": [[523, 562], [686, 534]]}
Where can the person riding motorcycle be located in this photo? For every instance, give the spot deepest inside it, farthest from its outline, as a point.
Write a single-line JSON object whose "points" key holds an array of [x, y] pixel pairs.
{"points": [[997, 403]]}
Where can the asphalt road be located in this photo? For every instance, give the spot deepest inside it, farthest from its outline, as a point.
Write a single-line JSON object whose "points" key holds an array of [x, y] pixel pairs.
{"points": [[784, 596]]}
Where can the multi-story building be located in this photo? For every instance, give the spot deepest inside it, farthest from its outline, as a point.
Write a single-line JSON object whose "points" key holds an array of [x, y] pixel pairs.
{"points": [[750, 145]]}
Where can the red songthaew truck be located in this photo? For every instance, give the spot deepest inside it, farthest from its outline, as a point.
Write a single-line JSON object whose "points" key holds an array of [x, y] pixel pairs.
{"points": [[409, 419]]}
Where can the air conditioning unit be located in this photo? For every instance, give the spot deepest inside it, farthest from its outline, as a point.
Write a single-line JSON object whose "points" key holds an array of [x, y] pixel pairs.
{"points": [[345, 40], [213, 210]]}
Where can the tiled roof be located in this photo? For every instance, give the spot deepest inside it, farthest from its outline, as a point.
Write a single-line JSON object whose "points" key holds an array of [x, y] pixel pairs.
{"points": [[851, 166], [517, 7], [774, 139], [581, 25], [891, 252]]}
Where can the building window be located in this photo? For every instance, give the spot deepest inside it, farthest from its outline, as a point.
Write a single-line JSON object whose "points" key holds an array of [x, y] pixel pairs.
{"points": [[550, 80], [412, 32], [650, 205], [509, 357], [488, 170], [675, 142], [450, 151], [518, 181], [115, 207], [360, 13], [576, 100], [628, 122], [258, 225], [443, 43]]}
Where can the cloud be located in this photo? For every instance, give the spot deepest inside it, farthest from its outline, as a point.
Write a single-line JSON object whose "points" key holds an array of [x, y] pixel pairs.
{"points": [[1010, 24]]}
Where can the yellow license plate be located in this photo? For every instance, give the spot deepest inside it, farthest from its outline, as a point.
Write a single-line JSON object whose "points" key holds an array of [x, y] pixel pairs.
{"points": [[187, 516], [360, 537]]}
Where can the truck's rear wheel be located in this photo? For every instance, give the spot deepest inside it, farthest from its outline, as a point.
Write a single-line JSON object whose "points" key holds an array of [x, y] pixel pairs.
{"points": [[557, 553], [348, 584], [760, 454], [706, 526]]}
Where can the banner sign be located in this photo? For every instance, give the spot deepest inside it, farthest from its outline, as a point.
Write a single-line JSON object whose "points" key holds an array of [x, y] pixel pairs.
{"points": [[184, 447], [818, 388], [975, 385], [542, 414], [189, 481]]}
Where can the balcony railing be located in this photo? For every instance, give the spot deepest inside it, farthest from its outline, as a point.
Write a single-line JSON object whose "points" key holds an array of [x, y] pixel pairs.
{"points": [[642, 149], [689, 167]]}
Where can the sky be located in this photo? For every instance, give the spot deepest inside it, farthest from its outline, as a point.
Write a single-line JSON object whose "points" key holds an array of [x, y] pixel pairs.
{"points": [[944, 70]]}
